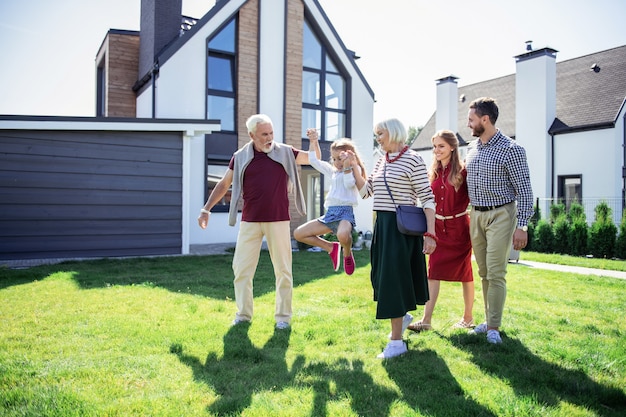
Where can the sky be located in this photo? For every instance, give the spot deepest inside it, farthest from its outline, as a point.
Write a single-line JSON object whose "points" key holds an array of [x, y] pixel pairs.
{"points": [[48, 48]]}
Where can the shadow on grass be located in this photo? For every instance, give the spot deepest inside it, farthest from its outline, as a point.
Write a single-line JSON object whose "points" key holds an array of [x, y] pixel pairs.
{"points": [[244, 370], [533, 377], [208, 275], [345, 379], [428, 386]]}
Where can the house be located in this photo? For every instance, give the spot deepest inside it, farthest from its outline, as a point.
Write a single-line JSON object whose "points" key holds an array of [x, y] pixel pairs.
{"points": [[569, 116], [180, 90], [282, 58]]}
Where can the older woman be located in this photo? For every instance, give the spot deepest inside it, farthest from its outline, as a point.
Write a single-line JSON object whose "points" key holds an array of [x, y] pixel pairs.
{"points": [[398, 261]]}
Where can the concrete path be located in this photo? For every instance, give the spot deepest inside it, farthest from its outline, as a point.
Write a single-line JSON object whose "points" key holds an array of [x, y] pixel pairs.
{"points": [[574, 269]]}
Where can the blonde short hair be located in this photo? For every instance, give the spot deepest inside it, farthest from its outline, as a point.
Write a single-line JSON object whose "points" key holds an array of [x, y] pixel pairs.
{"points": [[397, 131]]}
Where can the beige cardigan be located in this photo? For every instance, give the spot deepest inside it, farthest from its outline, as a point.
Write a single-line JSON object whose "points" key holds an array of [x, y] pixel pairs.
{"points": [[283, 154]]}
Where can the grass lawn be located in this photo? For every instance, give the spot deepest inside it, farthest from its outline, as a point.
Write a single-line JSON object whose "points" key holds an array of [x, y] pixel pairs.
{"points": [[152, 337]]}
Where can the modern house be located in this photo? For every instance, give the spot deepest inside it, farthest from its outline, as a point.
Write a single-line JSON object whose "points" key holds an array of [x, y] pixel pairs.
{"points": [[569, 116], [172, 101]]}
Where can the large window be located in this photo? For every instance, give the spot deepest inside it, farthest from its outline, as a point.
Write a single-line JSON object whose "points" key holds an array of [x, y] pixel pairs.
{"points": [[221, 76], [324, 107], [323, 90], [221, 105]]}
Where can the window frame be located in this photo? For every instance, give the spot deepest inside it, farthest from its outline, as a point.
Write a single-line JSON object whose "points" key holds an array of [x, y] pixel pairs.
{"points": [[562, 189], [226, 55], [329, 65]]}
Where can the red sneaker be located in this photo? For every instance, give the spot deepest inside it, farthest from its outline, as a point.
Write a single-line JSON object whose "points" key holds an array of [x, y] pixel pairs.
{"points": [[348, 264], [335, 255]]}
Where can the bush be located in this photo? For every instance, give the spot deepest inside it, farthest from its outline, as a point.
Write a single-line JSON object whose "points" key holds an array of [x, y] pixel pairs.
{"points": [[602, 236], [556, 211], [620, 244], [543, 237], [578, 237], [576, 212], [561, 229]]}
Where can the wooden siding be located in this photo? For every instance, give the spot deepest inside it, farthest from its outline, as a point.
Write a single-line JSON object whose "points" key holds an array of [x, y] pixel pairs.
{"points": [[293, 91], [74, 194], [247, 68], [122, 66]]}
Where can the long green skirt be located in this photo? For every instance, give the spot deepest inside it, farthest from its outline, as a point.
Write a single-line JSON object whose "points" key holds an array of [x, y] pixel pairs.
{"points": [[398, 272]]}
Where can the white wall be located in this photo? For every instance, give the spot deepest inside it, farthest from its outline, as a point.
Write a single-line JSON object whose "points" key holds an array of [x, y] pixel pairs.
{"points": [[599, 164], [535, 110], [218, 230], [144, 104], [447, 104], [362, 128]]}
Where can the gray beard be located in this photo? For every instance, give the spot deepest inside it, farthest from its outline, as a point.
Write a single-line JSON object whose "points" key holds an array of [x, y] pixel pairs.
{"points": [[271, 148]]}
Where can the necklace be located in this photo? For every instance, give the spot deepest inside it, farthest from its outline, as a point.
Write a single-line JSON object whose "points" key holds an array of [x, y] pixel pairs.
{"points": [[395, 158]]}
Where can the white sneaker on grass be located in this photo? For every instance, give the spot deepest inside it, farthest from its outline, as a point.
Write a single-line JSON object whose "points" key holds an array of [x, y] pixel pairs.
{"points": [[394, 348]]}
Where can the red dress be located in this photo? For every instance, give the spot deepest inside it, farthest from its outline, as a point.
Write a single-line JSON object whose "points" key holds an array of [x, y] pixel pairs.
{"points": [[452, 259]]}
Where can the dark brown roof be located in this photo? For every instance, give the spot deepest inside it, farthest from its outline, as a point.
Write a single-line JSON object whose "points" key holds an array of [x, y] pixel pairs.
{"points": [[585, 99]]}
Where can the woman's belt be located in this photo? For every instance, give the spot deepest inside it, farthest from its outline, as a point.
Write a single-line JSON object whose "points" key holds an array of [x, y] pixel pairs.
{"points": [[440, 217]]}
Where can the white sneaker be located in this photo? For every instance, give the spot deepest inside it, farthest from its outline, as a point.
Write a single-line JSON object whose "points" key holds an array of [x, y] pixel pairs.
{"points": [[493, 336], [406, 320], [239, 321], [393, 349], [282, 325], [480, 329]]}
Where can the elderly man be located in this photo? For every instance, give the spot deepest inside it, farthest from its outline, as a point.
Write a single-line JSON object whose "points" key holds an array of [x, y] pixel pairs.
{"points": [[261, 173]]}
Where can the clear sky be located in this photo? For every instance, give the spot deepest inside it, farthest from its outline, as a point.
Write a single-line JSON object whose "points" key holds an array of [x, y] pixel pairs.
{"points": [[48, 47]]}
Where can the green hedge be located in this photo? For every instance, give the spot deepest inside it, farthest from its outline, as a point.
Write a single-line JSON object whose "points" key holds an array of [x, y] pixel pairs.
{"points": [[567, 232]]}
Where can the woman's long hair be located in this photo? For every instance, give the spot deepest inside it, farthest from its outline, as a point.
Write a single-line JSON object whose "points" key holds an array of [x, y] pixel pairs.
{"points": [[456, 165], [345, 144]]}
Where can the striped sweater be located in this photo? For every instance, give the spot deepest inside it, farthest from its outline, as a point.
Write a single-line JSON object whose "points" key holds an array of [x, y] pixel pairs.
{"points": [[407, 178]]}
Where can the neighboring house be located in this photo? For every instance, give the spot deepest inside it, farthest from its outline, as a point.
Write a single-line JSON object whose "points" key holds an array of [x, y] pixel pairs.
{"points": [[569, 116], [281, 58]]}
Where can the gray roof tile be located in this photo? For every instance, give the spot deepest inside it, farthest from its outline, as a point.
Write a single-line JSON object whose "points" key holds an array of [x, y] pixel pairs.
{"points": [[584, 98]]}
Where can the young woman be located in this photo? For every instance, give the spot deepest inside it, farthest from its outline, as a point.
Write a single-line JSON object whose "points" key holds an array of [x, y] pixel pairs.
{"points": [[342, 197], [452, 259]]}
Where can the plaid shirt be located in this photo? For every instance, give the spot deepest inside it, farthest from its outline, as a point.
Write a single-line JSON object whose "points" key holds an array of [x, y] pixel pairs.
{"points": [[497, 174]]}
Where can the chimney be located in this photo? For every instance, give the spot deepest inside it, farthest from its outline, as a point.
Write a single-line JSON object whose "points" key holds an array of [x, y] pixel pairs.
{"points": [[446, 116], [160, 25], [535, 111]]}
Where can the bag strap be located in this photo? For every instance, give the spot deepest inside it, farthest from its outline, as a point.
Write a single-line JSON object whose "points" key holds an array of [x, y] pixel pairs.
{"points": [[387, 185]]}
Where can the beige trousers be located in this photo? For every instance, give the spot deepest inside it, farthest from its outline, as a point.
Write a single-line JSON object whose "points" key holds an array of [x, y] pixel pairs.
{"points": [[491, 234], [246, 259]]}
